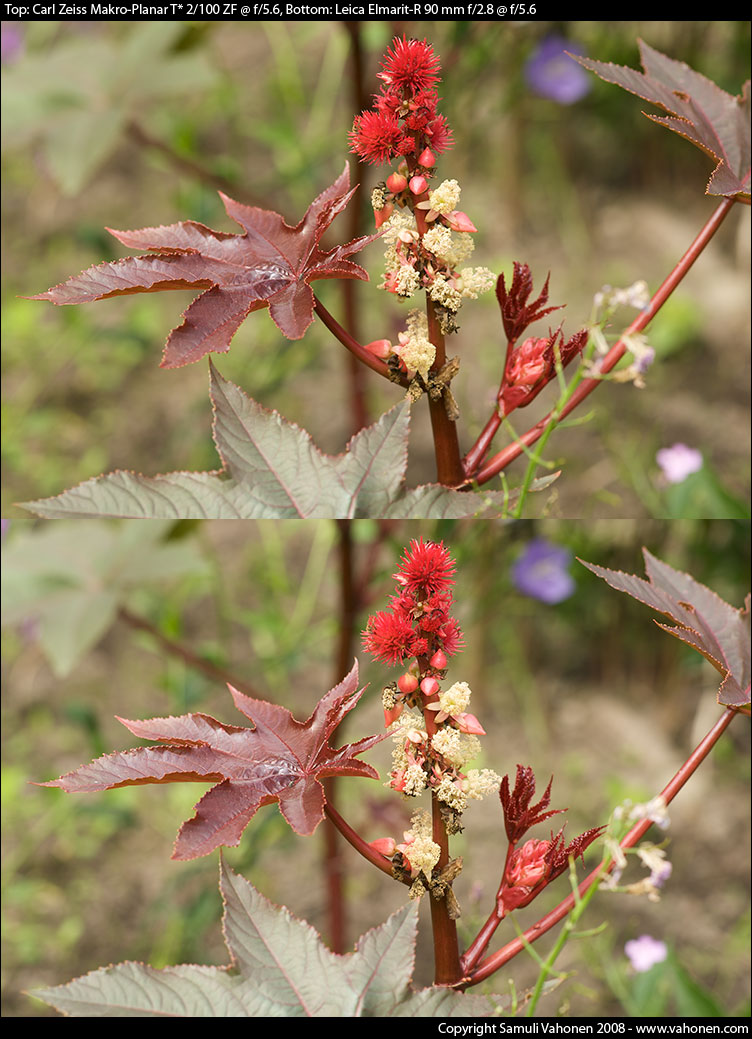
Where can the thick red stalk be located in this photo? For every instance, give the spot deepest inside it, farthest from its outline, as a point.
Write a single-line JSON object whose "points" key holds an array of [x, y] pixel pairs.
{"points": [[497, 960], [446, 953], [499, 461], [449, 469]]}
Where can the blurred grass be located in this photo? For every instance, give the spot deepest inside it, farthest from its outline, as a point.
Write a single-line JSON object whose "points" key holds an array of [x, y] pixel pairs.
{"points": [[590, 690], [592, 192]]}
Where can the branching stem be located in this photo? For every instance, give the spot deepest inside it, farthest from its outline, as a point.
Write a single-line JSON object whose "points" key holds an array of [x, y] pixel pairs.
{"points": [[496, 960], [501, 460]]}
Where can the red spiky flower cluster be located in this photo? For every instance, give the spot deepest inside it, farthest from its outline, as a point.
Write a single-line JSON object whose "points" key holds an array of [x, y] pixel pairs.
{"points": [[419, 622], [404, 119]]}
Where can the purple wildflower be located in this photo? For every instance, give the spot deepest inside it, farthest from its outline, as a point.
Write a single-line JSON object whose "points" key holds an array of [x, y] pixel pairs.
{"points": [[678, 462], [542, 572], [550, 71], [11, 42], [644, 952]]}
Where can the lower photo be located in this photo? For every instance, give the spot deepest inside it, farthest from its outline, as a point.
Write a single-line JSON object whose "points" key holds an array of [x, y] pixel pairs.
{"points": [[401, 768]]}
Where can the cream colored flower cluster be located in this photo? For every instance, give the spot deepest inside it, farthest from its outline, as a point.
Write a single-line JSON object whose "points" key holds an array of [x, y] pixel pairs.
{"points": [[437, 762], [415, 350], [434, 261]]}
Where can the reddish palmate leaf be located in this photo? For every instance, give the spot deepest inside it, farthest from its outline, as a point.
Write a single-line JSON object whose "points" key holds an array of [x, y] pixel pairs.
{"points": [[280, 759], [713, 120], [270, 265], [713, 627]]}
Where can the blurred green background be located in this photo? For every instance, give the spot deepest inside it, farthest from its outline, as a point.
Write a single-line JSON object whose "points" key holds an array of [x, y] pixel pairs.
{"points": [[129, 125], [588, 689]]}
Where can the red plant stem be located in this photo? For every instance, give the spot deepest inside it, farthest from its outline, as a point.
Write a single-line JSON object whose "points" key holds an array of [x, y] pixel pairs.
{"points": [[362, 847], [358, 404], [499, 461], [446, 952], [177, 649], [333, 866], [475, 974], [371, 361], [449, 471]]}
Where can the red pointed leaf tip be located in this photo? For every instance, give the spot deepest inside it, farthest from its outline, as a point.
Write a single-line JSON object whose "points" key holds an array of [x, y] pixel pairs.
{"points": [[279, 759], [270, 265], [699, 110], [713, 627], [519, 814]]}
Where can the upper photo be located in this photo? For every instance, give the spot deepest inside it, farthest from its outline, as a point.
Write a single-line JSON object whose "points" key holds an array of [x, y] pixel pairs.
{"points": [[374, 269]]}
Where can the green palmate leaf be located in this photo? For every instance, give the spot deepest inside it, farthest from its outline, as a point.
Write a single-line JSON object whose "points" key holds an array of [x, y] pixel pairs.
{"points": [[70, 580], [279, 968], [699, 110], [79, 96], [273, 469], [704, 621]]}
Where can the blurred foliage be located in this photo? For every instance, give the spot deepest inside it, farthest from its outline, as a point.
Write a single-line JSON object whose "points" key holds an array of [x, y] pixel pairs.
{"points": [[263, 114], [89, 880]]}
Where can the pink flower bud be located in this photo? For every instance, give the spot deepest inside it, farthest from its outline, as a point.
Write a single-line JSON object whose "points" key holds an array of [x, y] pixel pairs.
{"points": [[469, 723], [459, 221], [429, 686], [407, 683], [385, 845], [438, 660], [382, 215], [418, 185], [528, 865], [427, 158], [396, 183], [380, 348]]}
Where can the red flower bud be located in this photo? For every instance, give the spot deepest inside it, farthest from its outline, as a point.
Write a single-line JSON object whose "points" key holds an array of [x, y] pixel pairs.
{"points": [[407, 683], [418, 184], [459, 221], [396, 183], [380, 348], [386, 845], [438, 660], [429, 686], [427, 158]]}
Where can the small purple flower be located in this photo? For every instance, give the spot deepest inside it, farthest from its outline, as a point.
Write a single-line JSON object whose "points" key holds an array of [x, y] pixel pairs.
{"points": [[11, 42], [678, 462], [550, 71], [542, 572], [644, 952]]}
